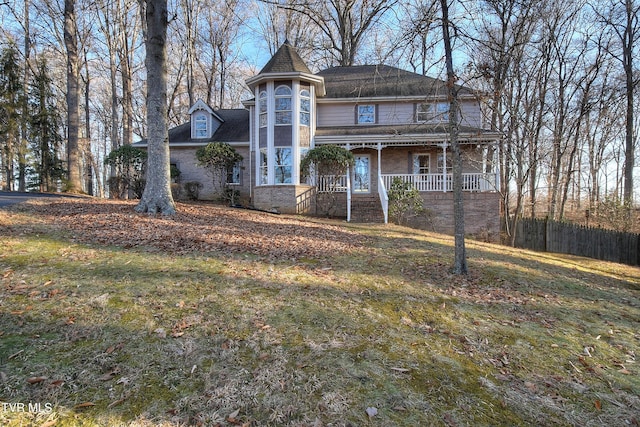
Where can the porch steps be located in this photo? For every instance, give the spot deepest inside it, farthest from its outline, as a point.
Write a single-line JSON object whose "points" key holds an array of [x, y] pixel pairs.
{"points": [[366, 209]]}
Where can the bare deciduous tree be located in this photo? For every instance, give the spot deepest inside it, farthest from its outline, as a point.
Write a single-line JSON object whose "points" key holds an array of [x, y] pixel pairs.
{"points": [[344, 24], [74, 183], [460, 260], [622, 19]]}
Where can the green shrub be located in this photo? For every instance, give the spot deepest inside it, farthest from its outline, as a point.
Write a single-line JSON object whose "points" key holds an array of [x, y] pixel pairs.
{"points": [[404, 201]]}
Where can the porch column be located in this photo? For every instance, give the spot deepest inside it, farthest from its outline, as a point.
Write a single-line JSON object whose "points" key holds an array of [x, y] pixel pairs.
{"points": [[348, 147], [496, 168], [379, 160], [444, 167]]}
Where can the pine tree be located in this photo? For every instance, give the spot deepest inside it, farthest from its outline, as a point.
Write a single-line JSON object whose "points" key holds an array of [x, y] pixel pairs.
{"points": [[44, 126], [11, 102]]}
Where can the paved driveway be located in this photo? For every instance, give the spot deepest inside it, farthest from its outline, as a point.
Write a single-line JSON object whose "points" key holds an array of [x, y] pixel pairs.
{"points": [[10, 197]]}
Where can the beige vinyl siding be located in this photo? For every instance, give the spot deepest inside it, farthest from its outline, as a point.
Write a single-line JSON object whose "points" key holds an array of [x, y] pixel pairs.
{"points": [[389, 113], [336, 114], [392, 113]]}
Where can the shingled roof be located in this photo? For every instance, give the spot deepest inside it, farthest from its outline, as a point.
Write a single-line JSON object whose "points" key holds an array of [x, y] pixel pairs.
{"points": [[286, 60], [364, 81], [235, 128]]}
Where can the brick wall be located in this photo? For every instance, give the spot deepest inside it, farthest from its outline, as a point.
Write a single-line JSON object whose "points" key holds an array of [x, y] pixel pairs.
{"points": [[481, 214], [190, 171], [291, 199]]}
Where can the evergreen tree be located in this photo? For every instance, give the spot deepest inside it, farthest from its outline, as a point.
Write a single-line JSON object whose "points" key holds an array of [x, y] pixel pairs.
{"points": [[11, 102], [45, 137]]}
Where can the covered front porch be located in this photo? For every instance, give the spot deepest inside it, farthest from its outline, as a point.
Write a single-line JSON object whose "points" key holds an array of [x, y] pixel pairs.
{"points": [[425, 166]]}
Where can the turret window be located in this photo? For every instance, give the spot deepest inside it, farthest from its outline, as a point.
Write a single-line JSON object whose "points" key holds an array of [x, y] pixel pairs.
{"points": [[284, 165], [262, 106], [305, 107], [283, 105], [264, 167]]}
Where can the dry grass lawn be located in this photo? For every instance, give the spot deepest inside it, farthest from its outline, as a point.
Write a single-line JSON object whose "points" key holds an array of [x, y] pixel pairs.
{"points": [[223, 317]]}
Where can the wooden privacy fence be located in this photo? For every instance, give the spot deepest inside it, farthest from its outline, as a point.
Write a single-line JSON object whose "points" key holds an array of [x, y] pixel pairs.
{"points": [[553, 236]]}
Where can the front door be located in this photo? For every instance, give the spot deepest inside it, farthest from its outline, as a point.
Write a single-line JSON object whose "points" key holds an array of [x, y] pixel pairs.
{"points": [[362, 174]]}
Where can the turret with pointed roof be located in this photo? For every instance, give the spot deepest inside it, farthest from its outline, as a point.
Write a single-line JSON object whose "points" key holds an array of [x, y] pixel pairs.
{"points": [[287, 64], [286, 60]]}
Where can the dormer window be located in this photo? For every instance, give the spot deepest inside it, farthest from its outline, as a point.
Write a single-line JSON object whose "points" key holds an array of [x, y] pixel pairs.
{"points": [[283, 105], [201, 128], [305, 107]]}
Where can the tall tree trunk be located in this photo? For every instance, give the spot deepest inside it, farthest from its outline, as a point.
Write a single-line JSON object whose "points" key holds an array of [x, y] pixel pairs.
{"points": [[127, 91], [94, 186], [73, 95], [460, 261], [157, 191], [630, 34]]}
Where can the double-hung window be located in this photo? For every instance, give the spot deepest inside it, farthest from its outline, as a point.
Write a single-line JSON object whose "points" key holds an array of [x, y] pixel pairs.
{"points": [[421, 164], [442, 111], [366, 114], [233, 174], [424, 112], [427, 112], [283, 105]]}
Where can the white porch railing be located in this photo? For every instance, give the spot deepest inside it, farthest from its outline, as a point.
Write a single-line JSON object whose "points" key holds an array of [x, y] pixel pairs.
{"points": [[332, 184], [479, 182]]}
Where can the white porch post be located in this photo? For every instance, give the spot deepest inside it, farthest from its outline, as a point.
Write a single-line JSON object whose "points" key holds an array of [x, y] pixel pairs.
{"points": [[444, 167], [379, 160], [496, 168], [348, 195], [348, 188]]}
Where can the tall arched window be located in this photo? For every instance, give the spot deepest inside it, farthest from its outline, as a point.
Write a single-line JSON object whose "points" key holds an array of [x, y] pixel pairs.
{"points": [[305, 107], [262, 107], [283, 105]]}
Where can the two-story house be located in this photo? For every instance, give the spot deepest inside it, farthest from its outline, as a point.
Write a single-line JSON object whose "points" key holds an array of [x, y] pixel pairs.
{"points": [[393, 121]]}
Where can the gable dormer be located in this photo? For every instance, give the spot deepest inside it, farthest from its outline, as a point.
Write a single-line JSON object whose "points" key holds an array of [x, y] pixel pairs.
{"points": [[204, 121]]}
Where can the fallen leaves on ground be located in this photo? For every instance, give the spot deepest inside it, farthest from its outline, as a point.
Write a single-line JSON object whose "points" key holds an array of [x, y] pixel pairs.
{"points": [[197, 227]]}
